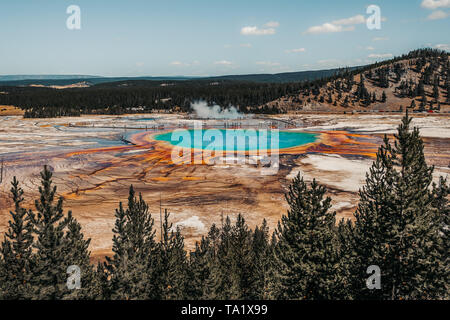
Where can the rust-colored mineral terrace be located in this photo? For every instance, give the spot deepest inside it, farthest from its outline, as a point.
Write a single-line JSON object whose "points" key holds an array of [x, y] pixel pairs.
{"points": [[94, 179]]}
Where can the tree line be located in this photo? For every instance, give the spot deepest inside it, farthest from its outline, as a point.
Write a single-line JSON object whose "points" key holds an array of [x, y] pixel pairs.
{"points": [[143, 96], [401, 227]]}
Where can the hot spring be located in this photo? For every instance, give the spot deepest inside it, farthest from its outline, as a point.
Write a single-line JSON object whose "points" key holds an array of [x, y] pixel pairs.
{"points": [[236, 140]]}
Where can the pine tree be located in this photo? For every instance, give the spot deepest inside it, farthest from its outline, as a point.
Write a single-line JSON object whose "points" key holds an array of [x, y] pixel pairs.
{"points": [[16, 251], [213, 276], [172, 263], [43, 274], [272, 285], [420, 88], [346, 101], [50, 272], [132, 268], [306, 253], [199, 269], [242, 262], [423, 103], [441, 204], [103, 281], [79, 255], [236, 264], [347, 259], [448, 85], [436, 91], [262, 253], [394, 226], [219, 283]]}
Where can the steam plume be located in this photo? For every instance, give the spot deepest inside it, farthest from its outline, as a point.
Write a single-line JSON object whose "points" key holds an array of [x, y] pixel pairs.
{"points": [[203, 111]]}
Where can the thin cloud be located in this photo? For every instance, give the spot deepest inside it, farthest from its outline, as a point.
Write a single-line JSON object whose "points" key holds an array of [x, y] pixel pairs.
{"points": [[380, 39], [437, 15], [272, 24], [246, 45], [223, 63], [327, 28], [183, 64], [268, 29], [359, 19], [341, 25], [435, 4], [442, 46], [296, 50], [255, 31], [269, 63]]}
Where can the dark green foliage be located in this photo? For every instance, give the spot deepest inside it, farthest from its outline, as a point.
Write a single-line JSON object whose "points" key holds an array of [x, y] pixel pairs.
{"points": [[145, 96], [436, 90], [239, 261], [172, 271], [263, 258], [199, 268], [52, 248], [220, 282], [347, 260], [242, 261], [423, 103], [58, 243], [78, 254], [447, 82], [16, 259], [306, 252], [395, 226], [362, 93], [441, 204], [132, 267]]}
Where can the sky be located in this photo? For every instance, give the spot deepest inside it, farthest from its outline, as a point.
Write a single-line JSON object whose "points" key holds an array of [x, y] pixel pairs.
{"points": [[205, 38]]}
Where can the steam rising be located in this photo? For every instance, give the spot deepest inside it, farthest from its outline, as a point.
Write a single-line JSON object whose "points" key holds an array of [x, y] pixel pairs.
{"points": [[203, 111]]}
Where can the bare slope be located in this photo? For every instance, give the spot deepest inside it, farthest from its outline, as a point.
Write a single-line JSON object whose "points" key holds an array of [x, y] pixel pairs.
{"points": [[419, 81]]}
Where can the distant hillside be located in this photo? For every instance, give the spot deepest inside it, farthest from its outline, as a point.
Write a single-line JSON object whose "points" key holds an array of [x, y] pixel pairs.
{"points": [[282, 77], [67, 80], [44, 77], [419, 81], [89, 80]]}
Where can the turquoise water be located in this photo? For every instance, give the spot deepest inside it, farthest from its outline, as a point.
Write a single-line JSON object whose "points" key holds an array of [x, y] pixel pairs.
{"points": [[144, 119], [236, 140]]}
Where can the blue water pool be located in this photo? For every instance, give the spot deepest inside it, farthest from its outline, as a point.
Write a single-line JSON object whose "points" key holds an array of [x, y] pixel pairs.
{"points": [[236, 140], [144, 119]]}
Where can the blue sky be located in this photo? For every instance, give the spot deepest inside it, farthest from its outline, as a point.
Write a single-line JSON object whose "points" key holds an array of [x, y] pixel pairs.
{"points": [[197, 37]]}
